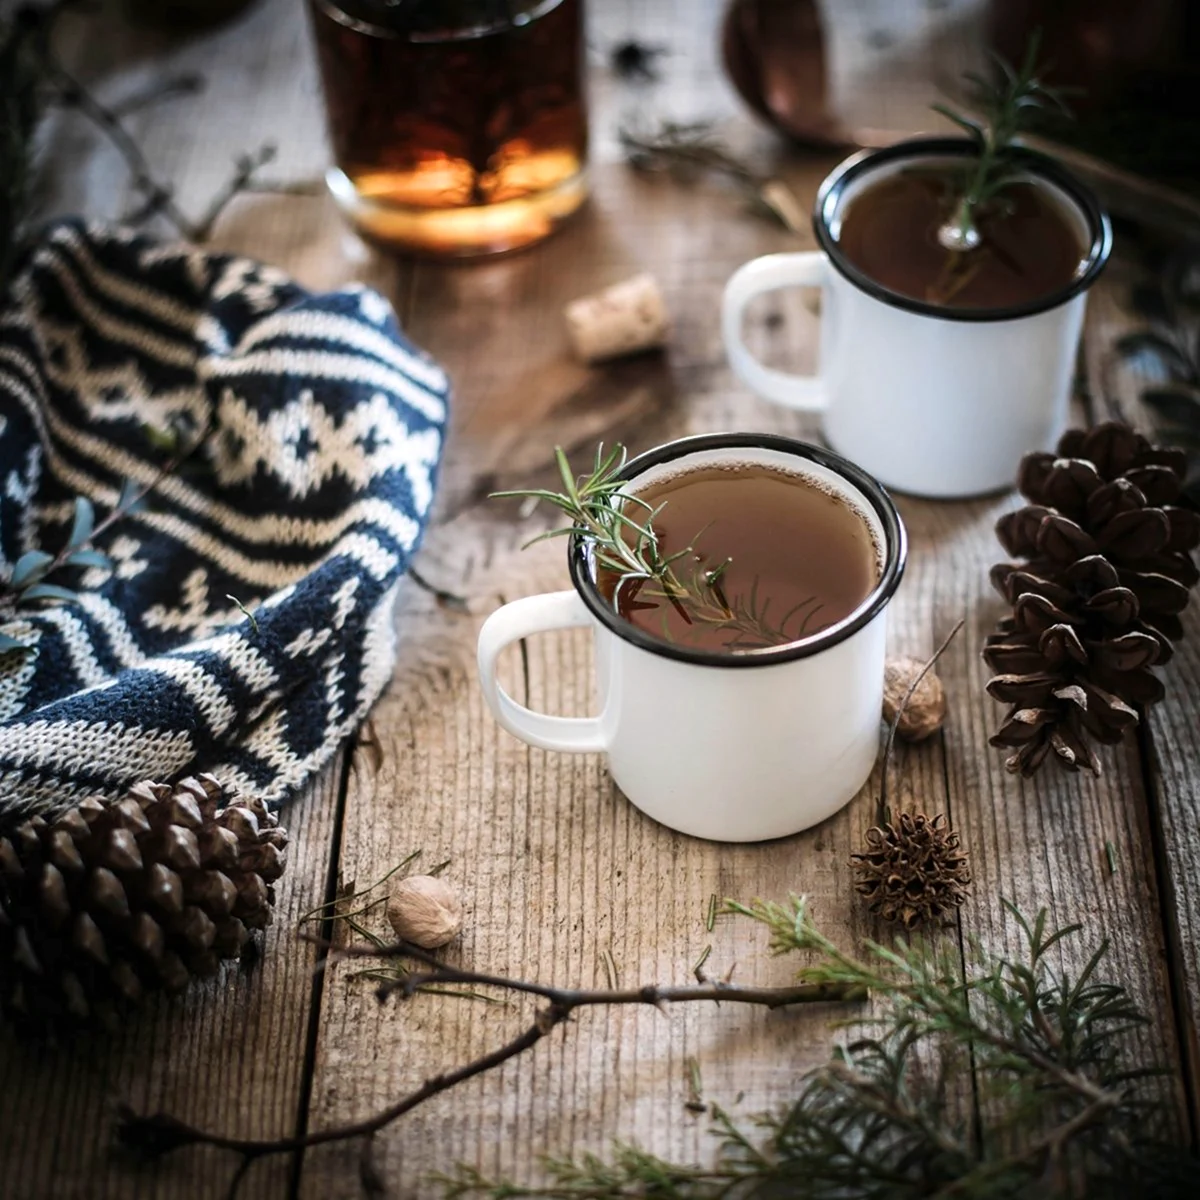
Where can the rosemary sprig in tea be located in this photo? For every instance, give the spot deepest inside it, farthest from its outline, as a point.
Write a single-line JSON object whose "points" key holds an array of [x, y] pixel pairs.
{"points": [[619, 526], [1005, 109]]}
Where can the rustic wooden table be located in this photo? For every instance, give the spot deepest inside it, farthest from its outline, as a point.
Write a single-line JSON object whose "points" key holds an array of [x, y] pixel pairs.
{"points": [[559, 874]]}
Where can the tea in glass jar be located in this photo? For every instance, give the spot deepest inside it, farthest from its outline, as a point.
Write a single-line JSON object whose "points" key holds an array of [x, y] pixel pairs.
{"points": [[459, 127]]}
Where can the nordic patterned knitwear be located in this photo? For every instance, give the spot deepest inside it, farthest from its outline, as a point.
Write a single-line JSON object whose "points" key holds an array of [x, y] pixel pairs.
{"points": [[308, 498]]}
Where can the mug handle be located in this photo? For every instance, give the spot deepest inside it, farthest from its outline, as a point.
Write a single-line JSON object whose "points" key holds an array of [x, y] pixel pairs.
{"points": [[520, 619], [766, 274]]}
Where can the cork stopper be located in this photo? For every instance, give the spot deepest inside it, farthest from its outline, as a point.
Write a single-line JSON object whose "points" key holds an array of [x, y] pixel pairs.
{"points": [[623, 319]]}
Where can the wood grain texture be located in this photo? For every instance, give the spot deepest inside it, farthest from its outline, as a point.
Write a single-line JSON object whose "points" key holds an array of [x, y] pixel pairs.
{"points": [[1171, 730], [559, 875], [229, 1054]]}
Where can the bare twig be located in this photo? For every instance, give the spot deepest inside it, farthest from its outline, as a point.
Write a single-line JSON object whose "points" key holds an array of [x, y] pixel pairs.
{"points": [[160, 1134]]}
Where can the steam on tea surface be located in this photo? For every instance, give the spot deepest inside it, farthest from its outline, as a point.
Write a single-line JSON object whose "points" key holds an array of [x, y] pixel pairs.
{"points": [[1029, 249], [799, 559]]}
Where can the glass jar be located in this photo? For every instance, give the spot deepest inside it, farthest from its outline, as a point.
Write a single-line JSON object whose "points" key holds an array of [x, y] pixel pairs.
{"points": [[459, 127]]}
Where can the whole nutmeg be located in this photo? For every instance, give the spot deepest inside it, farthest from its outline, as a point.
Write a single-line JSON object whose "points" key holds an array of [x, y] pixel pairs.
{"points": [[926, 709], [424, 910]]}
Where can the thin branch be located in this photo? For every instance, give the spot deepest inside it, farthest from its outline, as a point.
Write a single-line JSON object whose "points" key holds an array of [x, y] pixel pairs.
{"points": [[159, 197], [160, 1134]]}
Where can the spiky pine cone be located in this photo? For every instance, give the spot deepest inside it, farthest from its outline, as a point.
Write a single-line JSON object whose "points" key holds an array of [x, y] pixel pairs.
{"points": [[1098, 601], [108, 901], [913, 871]]}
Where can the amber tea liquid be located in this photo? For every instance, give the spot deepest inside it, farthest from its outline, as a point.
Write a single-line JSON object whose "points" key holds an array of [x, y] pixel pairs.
{"points": [[1029, 249], [799, 559], [459, 127]]}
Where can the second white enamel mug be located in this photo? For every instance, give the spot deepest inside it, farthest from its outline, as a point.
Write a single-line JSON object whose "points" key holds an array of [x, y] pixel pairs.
{"points": [[732, 747], [932, 400]]}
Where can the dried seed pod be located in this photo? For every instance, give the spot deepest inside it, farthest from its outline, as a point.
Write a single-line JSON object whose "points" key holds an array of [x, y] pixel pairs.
{"points": [[913, 871], [425, 910], [926, 709]]}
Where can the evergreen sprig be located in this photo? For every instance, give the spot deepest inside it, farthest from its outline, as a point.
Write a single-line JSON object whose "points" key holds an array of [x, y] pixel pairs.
{"points": [[29, 581], [1061, 1112], [1007, 106]]}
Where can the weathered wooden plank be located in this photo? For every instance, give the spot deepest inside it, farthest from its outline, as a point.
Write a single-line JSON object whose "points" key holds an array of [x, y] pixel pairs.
{"points": [[1171, 736], [1041, 843], [556, 870], [229, 1054]]}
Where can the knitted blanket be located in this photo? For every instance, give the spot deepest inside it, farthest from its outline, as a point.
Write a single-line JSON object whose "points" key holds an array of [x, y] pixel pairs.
{"points": [[239, 621]]}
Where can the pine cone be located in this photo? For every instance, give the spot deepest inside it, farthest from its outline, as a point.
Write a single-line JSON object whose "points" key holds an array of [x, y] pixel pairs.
{"points": [[1098, 601], [913, 871], [109, 901]]}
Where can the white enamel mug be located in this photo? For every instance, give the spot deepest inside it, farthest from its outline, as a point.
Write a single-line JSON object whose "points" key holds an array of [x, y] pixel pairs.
{"points": [[930, 399], [732, 747]]}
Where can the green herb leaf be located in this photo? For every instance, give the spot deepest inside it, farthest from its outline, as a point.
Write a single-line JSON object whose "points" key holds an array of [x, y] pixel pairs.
{"points": [[85, 521], [130, 500], [30, 567], [9, 645], [48, 591], [90, 558]]}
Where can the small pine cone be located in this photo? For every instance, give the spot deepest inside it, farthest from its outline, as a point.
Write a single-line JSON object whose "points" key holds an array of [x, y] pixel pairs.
{"points": [[108, 901], [913, 871]]}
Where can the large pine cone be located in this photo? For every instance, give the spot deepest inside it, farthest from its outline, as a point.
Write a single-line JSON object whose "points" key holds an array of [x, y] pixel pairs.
{"points": [[109, 901], [1098, 601]]}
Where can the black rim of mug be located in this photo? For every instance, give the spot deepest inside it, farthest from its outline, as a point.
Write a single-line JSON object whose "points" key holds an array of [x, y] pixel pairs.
{"points": [[895, 554], [1038, 165]]}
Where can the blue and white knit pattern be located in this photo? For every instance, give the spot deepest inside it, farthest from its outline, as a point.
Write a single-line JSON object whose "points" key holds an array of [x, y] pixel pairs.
{"points": [[310, 497]]}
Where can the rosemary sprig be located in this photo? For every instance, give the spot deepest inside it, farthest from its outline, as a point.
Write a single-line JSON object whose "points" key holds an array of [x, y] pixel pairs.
{"points": [[1006, 108], [619, 526]]}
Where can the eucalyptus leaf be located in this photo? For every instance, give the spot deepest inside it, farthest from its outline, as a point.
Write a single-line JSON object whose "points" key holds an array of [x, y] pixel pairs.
{"points": [[85, 522], [9, 644], [90, 558], [130, 500], [30, 567], [49, 591]]}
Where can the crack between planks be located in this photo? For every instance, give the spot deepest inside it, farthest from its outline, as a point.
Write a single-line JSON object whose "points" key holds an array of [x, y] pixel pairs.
{"points": [[312, 1037], [961, 934], [1189, 1051]]}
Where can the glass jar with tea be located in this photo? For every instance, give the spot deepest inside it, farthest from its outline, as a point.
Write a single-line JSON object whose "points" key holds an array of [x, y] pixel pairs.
{"points": [[458, 127]]}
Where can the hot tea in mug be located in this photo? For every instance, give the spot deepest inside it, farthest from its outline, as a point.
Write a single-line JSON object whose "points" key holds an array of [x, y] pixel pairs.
{"points": [[737, 604], [939, 368], [770, 558]]}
